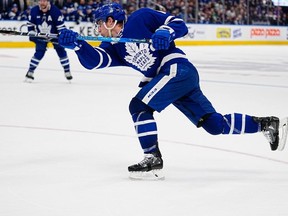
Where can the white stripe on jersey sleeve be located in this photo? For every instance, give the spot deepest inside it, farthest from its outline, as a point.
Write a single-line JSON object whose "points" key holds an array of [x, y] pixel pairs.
{"points": [[60, 27], [100, 59], [101, 52], [172, 19], [169, 18]]}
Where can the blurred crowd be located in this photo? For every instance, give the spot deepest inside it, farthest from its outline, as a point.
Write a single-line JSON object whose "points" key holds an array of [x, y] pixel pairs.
{"points": [[238, 12]]}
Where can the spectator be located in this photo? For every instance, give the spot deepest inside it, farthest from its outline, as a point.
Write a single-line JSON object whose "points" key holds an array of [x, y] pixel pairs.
{"points": [[24, 15], [77, 15], [14, 13], [64, 11], [70, 5], [88, 14], [209, 11]]}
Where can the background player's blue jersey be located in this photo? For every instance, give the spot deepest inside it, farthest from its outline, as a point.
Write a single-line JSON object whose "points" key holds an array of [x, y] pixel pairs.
{"points": [[140, 56], [50, 22]]}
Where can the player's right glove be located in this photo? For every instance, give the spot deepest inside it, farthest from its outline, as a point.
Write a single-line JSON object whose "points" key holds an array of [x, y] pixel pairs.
{"points": [[68, 39]]}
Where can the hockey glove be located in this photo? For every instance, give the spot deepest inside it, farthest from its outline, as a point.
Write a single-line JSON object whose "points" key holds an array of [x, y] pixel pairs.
{"points": [[68, 39], [162, 37]]}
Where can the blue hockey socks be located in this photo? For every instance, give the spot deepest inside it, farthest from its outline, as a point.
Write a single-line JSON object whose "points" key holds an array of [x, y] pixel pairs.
{"points": [[145, 125], [146, 129], [235, 123]]}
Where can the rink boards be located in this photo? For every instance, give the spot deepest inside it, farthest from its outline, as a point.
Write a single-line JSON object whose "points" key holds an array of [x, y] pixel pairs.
{"points": [[198, 34]]}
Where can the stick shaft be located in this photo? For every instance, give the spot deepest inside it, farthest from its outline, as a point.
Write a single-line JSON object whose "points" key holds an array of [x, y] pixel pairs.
{"points": [[88, 38]]}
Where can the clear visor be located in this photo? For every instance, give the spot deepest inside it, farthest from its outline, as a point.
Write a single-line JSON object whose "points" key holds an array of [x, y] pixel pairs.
{"points": [[97, 25]]}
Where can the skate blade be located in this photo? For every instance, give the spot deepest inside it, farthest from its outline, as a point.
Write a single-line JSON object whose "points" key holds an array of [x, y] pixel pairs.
{"points": [[151, 175], [28, 80], [283, 131]]}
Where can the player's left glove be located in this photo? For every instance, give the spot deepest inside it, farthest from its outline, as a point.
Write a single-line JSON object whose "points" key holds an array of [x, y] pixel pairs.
{"points": [[162, 37], [68, 39]]}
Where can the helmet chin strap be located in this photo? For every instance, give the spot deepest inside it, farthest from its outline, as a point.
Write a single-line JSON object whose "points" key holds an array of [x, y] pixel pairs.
{"points": [[109, 29]]}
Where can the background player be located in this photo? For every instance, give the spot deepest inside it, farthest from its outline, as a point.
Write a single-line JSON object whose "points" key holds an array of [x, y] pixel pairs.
{"points": [[46, 18], [169, 78]]}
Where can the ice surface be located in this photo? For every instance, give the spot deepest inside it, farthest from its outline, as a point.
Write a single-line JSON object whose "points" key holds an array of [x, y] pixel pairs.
{"points": [[65, 148]]}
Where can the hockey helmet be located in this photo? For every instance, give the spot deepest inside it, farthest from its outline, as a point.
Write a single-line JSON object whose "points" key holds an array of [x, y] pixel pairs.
{"points": [[113, 10]]}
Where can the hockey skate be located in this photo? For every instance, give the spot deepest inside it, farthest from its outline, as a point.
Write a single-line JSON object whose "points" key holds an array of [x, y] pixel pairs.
{"points": [[29, 77], [270, 129], [274, 130], [68, 76], [150, 168]]}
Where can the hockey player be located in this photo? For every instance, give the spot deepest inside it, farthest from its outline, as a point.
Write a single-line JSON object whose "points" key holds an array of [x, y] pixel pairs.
{"points": [[169, 78], [46, 18]]}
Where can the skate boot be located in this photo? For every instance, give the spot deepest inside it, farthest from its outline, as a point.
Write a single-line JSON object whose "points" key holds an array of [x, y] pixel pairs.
{"points": [[270, 129], [149, 168], [29, 77], [68, 76]]}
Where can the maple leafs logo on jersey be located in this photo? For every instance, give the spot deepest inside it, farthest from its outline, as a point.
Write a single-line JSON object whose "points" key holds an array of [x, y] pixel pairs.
{"points": [[139, 56], [44, 28]]}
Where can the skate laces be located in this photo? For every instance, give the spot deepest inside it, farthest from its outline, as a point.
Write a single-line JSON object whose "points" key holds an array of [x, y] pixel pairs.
{"points": [[147, 159], [30, 75], [269, 133], [268, 136], [68, 74]]}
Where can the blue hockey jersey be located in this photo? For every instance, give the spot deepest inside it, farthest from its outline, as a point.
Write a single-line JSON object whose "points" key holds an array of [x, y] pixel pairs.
{"points": [[50, 22], [140, 56]]}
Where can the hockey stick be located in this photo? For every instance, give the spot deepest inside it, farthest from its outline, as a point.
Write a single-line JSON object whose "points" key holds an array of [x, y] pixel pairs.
{"points": [[80, 37], [31, 34]]}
